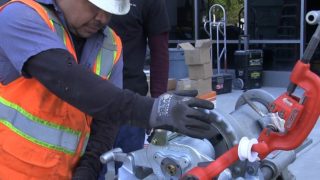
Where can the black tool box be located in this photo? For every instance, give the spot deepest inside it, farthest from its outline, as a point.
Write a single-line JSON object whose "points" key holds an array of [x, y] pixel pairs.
{"points": [[249, 58], [222, 83], [251, 77], [249, 68]]}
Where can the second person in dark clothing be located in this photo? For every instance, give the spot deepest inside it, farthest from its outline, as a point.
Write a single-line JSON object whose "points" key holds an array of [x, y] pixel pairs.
{"points": [[146, 24]]}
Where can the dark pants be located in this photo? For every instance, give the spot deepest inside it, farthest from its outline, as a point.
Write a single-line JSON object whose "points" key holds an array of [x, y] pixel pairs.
{"points": [[128, 139]]}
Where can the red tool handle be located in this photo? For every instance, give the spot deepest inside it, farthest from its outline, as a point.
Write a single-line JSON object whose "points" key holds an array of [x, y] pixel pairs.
{"points": [[300, 119]]}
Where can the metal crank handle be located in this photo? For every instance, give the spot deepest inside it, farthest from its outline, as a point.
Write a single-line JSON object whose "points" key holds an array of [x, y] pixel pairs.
{"points": [[312, 18]]}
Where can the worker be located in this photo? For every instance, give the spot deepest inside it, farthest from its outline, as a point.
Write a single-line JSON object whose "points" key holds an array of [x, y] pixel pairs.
{"points": [[55, 68], [149, 25]]}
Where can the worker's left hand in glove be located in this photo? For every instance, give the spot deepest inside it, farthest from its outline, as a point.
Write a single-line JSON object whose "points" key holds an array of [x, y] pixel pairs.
{"points": [[182, 112]]}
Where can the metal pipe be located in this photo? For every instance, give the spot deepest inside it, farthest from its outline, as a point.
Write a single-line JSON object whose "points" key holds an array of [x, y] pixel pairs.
{"points": [[210, 30], [272, 166], [246, 44], [302, 27], [313, 44], [267, 172], [225, 40], [218, 50], [196, 23], [312, 17], [110, 155]]}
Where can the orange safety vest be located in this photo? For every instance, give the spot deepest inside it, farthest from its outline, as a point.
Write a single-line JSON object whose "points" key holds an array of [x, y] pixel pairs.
{"points": [[41, 136]]}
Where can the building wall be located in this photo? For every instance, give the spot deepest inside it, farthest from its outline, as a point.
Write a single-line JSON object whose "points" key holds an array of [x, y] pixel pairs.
{"points": [[275, 20]]}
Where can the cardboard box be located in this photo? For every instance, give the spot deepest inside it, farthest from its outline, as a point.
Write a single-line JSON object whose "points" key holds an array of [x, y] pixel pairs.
{"points": [[198, 54], [184, 84], [202, 71], [202, 85], [172, 84]]}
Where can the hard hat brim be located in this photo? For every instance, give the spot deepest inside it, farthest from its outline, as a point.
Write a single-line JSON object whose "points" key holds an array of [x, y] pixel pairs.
{"points": [[116, 7]]}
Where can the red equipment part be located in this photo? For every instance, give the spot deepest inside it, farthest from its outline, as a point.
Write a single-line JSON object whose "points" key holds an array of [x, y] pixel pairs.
{"points": [[300, 119], [300, 115]]}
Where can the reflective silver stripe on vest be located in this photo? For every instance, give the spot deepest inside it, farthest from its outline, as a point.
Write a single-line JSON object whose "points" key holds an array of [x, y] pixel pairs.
{"points": [[109, 41], [109, 48], [56, 23], [85, 145], [50, 135]]}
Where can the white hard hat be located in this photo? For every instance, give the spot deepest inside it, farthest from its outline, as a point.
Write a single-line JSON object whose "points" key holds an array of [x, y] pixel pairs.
{"points": [[117, 7]]}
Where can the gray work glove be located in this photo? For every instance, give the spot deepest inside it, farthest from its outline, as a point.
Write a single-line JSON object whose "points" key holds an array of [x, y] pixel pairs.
{"points": [[181, 112]]}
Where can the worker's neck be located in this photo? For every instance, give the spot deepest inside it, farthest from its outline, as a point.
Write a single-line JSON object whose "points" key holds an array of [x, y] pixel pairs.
{"points": [[78, 44]]}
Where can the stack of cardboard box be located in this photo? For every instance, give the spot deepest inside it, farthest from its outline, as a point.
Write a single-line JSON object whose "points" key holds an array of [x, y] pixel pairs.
{"points": [[199, 66], [172, 84]]}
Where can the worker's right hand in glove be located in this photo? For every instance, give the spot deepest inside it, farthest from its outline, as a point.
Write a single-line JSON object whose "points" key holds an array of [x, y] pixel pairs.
{"points": [[181, 112]]}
